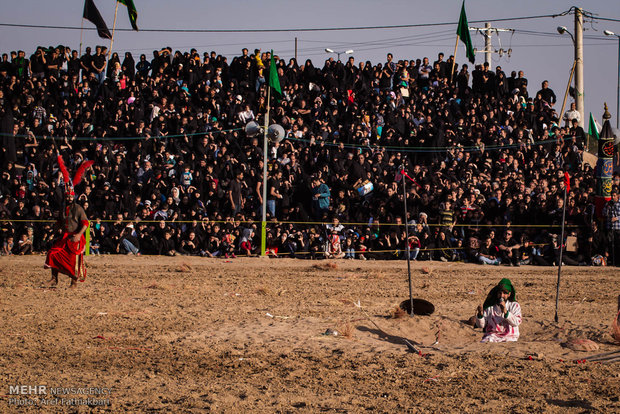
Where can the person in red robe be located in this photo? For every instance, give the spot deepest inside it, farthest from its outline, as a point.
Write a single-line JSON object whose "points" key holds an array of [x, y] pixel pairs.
{"points": [[67, 253]]}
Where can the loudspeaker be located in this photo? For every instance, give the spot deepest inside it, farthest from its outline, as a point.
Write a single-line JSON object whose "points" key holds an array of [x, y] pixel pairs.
{"points": [[275, 133], [252, 129]]}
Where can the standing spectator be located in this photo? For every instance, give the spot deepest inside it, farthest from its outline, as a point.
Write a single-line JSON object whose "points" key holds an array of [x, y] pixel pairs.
{"points": [[129, 66], [390, 68], [235, 195], [98, 64], [38, 64], [143, 67], [273, 192], [547, 93], [424, 73], [21, 64], [572, 114], [321, 197], [86, 63]]}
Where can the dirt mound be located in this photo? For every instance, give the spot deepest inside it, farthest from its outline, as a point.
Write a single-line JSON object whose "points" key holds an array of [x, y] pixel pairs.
{"points": [[325, 266]]}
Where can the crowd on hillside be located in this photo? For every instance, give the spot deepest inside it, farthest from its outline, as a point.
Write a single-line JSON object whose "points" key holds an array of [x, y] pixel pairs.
{"points": [[175, 172]]}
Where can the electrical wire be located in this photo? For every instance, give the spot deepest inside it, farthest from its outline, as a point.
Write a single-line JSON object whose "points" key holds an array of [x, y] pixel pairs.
{"points": [[607, 19], [556, 35], [388, 148], [318, 29]]}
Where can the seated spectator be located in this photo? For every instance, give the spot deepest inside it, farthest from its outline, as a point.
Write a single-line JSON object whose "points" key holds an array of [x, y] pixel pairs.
{"points": [[349, 248], [315, 245], [211, 245], [128, 241], [190, 245], [167, 246], [444, 251], [334, 248], [227, 245], [26, 242], [245, 245], [414, 246], [8, 246], [509, 252], [488, 252]]}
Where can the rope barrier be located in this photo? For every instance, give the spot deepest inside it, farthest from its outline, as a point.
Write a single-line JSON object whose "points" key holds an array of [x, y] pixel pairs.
{"points": [[321, 223], [393, 251]]}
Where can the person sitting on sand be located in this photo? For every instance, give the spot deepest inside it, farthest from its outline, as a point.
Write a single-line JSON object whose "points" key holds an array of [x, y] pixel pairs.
{"points": [[500, 315]]}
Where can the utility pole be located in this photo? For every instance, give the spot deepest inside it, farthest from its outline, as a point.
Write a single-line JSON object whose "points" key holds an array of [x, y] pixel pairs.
{"points": [[579, 65], [488, 44]]}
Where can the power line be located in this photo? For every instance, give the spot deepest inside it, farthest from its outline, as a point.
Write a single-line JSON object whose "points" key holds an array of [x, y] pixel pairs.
{"points": [[557, 35], [606, 19], [323, 29], [375, 146]]}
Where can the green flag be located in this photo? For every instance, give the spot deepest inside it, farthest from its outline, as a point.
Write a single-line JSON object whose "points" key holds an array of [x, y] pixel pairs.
{"points": [[274, 80], [592, 128], [462, 31], [133, 13]]}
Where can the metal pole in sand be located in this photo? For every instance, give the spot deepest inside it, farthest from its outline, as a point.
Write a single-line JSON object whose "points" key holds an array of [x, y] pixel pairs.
{"points": [[402, 173], [561, 244], [263, 228]]}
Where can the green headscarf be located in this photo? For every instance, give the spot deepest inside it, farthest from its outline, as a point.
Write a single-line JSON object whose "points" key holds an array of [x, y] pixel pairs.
{"points": [[504, 284]]}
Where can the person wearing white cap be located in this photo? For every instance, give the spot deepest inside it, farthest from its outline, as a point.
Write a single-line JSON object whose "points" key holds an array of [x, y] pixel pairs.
{"points": [[423, 220]]}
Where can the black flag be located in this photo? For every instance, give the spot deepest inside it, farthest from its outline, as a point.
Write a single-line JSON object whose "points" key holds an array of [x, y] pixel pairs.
{"points": [[92, 14]]}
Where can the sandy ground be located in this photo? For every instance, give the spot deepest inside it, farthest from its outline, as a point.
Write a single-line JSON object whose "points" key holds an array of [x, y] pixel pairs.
{"points": [[194, 335]]}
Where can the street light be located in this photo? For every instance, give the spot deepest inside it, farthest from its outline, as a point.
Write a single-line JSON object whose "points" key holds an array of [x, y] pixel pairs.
{"points": [[577, 66], [563, 29], [346, 52], [610, 33]]}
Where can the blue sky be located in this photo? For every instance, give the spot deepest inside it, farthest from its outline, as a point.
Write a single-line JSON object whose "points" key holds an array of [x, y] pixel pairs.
{"points": [[541, 55]]}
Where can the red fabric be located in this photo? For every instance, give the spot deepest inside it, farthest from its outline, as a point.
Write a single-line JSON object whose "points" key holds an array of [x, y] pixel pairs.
{"points": [[67, 256], [81, 170], [350, 96], [567, 181], [414, 181]]}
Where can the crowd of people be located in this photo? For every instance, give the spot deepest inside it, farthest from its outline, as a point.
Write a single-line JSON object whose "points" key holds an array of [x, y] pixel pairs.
{"points": [[483, 159]]}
